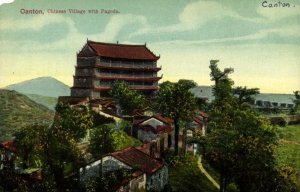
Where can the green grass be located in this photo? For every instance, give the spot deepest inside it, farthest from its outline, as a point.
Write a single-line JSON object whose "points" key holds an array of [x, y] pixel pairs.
{"points": [[122, 140], [288, 151], [18, 111], [185, 175], [49, 102]]}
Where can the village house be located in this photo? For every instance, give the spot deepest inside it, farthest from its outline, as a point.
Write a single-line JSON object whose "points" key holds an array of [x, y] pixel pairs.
{"points": [[197, 126], [7, 155], [155, 129], [148, 172]]}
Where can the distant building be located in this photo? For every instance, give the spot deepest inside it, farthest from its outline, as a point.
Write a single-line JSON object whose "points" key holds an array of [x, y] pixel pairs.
{"points": [[99, 65]]}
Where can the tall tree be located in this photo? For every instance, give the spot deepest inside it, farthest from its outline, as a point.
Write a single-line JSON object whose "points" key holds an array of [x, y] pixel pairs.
{"points": [[297, 102], [241, 144], [245, 95], [101, 143], [177, 102], [75, 120], [128, 99], [28, 143]]}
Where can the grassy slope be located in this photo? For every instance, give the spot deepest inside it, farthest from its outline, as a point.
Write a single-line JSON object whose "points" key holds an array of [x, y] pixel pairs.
{"points": [[49, 102], [186, 176], [122, 140], [288, 151], [18, 111]]}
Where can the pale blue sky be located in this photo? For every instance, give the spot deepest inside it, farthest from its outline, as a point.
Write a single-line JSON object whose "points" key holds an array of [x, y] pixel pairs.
{"points": [[261, 44]]}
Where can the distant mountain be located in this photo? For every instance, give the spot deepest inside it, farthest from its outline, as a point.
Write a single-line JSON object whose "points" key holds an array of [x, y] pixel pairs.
{"points": [[44, 86], [18, 111]]}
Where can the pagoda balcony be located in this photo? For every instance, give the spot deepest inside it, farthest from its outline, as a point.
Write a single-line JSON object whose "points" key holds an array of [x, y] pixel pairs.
{"points": [[120, 77], [121, 67], [135, 87], [128, 78]]}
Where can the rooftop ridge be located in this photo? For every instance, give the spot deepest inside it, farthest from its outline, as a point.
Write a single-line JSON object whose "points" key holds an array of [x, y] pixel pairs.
{"points": [[118, 44]]}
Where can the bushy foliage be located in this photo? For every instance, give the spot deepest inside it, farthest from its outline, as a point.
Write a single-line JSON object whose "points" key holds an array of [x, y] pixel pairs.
{"points": [[128, 99], [241, 143], [174, 100]]}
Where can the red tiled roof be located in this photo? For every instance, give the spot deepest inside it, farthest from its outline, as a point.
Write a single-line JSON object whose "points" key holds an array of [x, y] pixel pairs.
{"points": [[147, 128], [159, 128], [164, 129], [156, 116], [73, 100], [138, 159], [122, 51], [8, 145], [198, 121], [36, 176], [205, 115]]}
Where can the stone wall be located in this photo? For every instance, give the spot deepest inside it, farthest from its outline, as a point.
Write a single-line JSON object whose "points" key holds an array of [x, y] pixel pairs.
{"points": [[146, 136], [109, 164], [158, 180]]}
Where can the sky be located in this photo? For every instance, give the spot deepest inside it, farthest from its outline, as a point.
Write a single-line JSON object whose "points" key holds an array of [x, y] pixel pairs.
{"points": [[261, 43]]}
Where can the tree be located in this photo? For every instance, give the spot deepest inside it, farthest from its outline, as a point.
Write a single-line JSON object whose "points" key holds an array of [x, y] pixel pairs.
{"points": [[128, 99], [28, 143], [177, 102], [99, 119], [241, 144], [244, 95], [101, 143], [74, 120], [297, 102]]}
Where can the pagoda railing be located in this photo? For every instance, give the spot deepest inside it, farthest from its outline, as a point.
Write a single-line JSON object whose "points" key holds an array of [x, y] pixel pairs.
{"points": [[126, 75], [137, 87], [126, 64]]}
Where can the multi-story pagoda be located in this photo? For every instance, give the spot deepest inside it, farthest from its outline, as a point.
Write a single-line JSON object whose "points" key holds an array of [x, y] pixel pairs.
{"points": [[99, 65]]}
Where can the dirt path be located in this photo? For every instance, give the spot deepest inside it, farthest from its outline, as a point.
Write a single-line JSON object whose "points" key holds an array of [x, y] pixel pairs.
{"points": [[200, 165]]}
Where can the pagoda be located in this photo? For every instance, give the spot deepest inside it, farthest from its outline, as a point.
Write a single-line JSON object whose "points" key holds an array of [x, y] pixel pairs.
{"points": [[100, 64]]}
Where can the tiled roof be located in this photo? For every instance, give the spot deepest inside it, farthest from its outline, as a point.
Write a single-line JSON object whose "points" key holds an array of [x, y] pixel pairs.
{"points": [[73, 100], [138, 159], [205, 115], [198, 121], [164, 129], [8, 145], [156, 116], [159, 128], [122, 51], [147, 128]]}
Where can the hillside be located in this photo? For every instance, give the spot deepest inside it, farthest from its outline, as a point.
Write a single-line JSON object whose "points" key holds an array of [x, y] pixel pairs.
{"points": [[49, 102], [44, 86], [18, 110]]}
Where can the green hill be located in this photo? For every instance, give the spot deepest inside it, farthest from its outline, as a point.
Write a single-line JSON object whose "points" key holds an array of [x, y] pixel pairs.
{"points": [[49, 102], [18, 111]]}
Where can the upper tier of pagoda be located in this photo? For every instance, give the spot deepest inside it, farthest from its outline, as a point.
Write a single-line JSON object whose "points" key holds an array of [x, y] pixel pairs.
{"points": [[117, 51]]}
